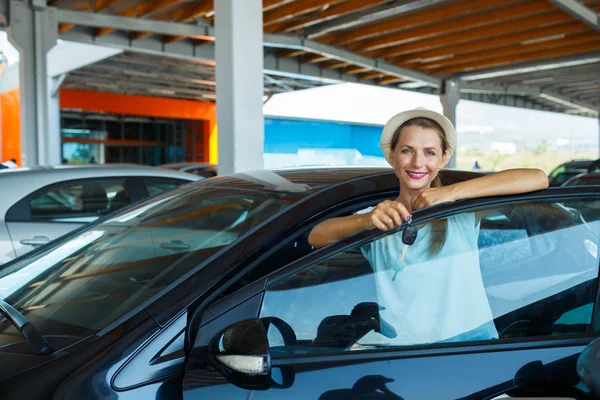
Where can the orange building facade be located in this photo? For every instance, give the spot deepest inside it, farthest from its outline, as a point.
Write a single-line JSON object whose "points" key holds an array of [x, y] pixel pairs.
{"points": [[199, 117]]}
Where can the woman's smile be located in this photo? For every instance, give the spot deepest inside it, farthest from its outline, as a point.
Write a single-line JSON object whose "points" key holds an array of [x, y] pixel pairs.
{"points": [[416, 175]]}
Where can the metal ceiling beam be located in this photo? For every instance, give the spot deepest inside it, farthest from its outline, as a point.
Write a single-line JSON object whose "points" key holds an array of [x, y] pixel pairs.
{"points": [[580, 11], [151, 45], [531, 67], [207, 33], [128, 24], [293, 42], [575, 49], [515, 90]]}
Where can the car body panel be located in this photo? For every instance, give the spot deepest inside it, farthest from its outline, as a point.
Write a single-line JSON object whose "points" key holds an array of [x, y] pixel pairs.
{"points": [[459, 375], [25, 181], [28, 235]]}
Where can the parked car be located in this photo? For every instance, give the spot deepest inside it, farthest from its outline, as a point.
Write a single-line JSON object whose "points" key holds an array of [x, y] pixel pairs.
{"points": [[570, 169], [39, 204], [211, 291], [587, 178], [200, 169]]}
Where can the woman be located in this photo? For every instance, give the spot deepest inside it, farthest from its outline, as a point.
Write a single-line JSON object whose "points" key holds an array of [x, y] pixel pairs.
{"points": [[431, 290]]}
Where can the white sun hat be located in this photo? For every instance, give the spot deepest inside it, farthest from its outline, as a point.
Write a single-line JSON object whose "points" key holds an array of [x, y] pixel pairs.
{"points": [[397, 120]]}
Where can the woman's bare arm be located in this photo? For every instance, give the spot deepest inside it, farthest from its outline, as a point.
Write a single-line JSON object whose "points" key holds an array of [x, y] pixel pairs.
{"points": [[511, 181], [334, 229], [386, 215]]}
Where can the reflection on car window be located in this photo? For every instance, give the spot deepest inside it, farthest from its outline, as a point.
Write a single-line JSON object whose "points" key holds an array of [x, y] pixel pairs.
{"points": [[86, 283], [157, 186], [537, 266], [74, 202]]}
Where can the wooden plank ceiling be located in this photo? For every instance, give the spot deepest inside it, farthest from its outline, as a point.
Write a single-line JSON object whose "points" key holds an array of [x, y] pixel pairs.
{"points": [[445, 38]]}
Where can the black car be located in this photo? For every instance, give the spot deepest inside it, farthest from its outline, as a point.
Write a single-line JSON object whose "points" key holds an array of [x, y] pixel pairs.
{"points": [[212, 291], [570, 169], [585, 179]]}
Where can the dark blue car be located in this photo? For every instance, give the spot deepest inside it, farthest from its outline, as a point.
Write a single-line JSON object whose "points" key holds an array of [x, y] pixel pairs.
{"points": [[212, 291]]}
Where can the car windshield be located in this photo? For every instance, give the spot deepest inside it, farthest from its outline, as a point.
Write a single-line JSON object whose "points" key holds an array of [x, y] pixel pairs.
{"points": [[81, 285]]}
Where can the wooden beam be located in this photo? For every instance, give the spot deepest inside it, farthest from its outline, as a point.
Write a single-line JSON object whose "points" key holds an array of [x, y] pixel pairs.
{"points": [[390, 79], [534, 56], [412, 19], [355, 70], [472, 34], [154, 8], [270, 4], [65, 27], [292, 10], [101, 6], [453, 25], [334, 64], [372, 75], [335, 11], [184, 14], [290, 53], [574, 39], [313, 59], [457, 50]]}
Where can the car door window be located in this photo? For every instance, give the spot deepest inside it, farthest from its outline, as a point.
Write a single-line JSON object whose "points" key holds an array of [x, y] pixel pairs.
{"points": [[81, 201], [157, 186], [530, 271]]}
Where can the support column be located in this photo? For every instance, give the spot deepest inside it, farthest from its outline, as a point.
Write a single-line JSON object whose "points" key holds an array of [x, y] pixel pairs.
{"points": [[239, 76], [449, 97], [34, 31]]}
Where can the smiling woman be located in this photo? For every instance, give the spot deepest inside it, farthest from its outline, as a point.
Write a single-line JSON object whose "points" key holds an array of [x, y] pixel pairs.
{"points": [[418, 144]]}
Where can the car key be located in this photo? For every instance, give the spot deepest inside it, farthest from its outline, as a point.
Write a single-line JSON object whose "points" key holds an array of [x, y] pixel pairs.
{"points": [[408, 237]]}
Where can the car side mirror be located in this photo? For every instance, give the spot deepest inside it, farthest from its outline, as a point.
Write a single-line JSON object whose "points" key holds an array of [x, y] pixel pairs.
{"points": [[588, 367], [241, 354]]}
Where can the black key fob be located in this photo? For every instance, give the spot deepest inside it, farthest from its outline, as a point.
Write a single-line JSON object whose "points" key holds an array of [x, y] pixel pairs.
{"points": [[409, 235]]}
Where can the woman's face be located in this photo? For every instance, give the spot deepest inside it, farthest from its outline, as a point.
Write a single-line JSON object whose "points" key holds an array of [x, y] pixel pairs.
{"points": [[417, 157]]}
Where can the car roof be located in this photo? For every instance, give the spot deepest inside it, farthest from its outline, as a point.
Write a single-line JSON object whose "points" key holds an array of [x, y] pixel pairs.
{"points": [[308, 180], [578, 164], [96, 170], [24, 181], [186, 164]]}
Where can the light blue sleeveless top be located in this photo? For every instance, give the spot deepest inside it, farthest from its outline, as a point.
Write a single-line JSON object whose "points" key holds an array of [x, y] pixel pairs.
{"points": [[432, 298]]}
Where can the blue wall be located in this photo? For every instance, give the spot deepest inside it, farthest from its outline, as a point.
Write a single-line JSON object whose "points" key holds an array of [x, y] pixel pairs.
{"points": [[286, 135]]}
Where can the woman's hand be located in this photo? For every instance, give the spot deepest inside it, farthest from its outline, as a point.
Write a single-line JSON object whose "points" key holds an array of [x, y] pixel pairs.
{"points": [[432, 196], [387, 215]]}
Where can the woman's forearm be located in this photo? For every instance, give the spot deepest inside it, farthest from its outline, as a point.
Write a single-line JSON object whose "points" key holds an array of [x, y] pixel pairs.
{"points": [[511, 181], [334, 229]]}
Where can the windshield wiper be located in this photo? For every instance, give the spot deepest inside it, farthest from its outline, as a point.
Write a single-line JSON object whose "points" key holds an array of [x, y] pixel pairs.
{"points": [[32, 335]]}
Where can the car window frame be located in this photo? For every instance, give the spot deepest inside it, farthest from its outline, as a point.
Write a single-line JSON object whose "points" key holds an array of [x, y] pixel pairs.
{"points": [[364, 237], [20, 211]]}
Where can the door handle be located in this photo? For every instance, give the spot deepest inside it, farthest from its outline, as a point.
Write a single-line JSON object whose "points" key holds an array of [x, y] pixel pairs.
{"points": [[175, 245], [36, 241]]}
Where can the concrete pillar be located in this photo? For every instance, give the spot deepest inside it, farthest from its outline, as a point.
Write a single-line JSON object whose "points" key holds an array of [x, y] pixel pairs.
{"points": [[34, 31], [449, 96], [239, 76]]}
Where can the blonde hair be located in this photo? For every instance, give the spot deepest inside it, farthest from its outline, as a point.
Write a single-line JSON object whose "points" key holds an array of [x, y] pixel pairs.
{"points": [[438, 227]]}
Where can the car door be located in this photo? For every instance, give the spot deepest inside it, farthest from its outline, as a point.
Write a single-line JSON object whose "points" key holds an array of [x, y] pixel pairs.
{"points": [[59, 208], [330, 331]]}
